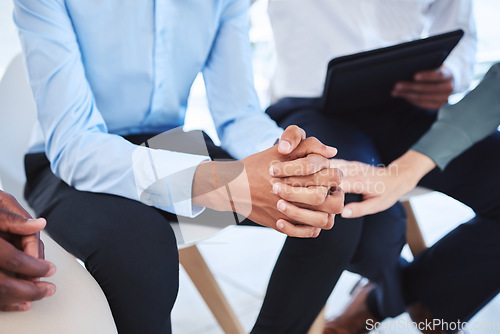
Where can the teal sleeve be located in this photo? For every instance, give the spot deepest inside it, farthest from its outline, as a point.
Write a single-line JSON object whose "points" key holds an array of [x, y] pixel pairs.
{"points": [[460, 126]]}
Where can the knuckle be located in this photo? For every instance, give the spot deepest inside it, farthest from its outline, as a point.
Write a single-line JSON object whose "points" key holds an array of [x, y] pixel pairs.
{"points": [[340, 204], [313, 140], [334, 178], [294, 181], [316, 160], [7, 198], [5, 288], [318, 198], [294, 130], [286, 190], [337, 204], [14, 262], [325, 191], [332, 220], [309, 165], [325, 220], [339, 174], [323, 174], [9, 217], [318, 143], [324, 161], [278, 168]]}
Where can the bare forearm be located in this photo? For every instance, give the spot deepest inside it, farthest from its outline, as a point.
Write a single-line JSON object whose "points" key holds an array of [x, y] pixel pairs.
{"points": [[211, 180], [412, 166], [205, 192]]}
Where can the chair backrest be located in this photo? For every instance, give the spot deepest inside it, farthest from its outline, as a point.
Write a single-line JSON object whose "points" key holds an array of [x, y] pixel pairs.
{"points": [[17, 118], [79, 306]]}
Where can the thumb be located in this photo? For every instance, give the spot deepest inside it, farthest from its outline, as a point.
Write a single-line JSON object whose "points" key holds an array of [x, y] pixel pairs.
{"points": [[16, 224], [290, 139], [363, 208]]}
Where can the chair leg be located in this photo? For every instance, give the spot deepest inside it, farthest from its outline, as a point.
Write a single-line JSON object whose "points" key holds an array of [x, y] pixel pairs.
{"points": [[414, 236], [197, 269], [319, 324]]}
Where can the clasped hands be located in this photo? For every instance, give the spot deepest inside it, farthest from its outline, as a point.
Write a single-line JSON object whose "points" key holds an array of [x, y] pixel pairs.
{"points": [[289, 187], [293, 188]]}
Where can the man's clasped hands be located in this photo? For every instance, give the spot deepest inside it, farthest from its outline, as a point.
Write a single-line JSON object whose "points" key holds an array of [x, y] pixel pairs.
{"points": [[289, 187]]}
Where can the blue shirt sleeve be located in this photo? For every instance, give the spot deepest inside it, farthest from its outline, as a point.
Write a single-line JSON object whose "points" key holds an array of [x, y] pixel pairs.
{"points": [[81, 151], [242, 126]]}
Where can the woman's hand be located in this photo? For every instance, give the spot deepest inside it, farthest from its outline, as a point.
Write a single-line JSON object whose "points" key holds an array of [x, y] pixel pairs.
{"points": [[381, 187]]}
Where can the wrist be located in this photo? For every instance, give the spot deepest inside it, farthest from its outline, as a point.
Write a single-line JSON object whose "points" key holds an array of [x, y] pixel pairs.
{"points": [[412, 166], [205, 191], [212, 181]]}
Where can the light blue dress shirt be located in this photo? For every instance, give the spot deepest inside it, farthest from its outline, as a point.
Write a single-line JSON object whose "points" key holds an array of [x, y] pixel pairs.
{"points": [[100, 70]]}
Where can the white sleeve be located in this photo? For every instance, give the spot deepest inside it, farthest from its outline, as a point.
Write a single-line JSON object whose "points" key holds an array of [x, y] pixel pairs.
{"points": [[448, 15]]}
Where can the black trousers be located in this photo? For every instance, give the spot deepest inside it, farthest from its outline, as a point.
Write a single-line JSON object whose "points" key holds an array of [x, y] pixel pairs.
{"points": [[128, 247], [459, 274], [130, 250]]}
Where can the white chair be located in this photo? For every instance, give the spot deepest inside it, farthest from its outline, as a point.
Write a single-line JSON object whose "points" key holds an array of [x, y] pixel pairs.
{"points": [[79, 306], [414, 237]]}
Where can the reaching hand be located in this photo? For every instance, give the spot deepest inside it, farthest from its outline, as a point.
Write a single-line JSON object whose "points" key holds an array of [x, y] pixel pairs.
{"points": [[429, 89], [20, 266], [381, 187]]}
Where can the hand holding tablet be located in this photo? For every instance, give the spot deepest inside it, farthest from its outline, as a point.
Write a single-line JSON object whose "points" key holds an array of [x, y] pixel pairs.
{"points": [[369, 78]]}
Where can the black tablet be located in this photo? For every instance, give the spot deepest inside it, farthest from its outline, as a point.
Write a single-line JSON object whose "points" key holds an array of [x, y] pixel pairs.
{"points": [[366, 79]]}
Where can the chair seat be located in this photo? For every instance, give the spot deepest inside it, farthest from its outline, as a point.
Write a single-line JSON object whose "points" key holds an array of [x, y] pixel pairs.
{"points": [[417, 191], [77, 307]]}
